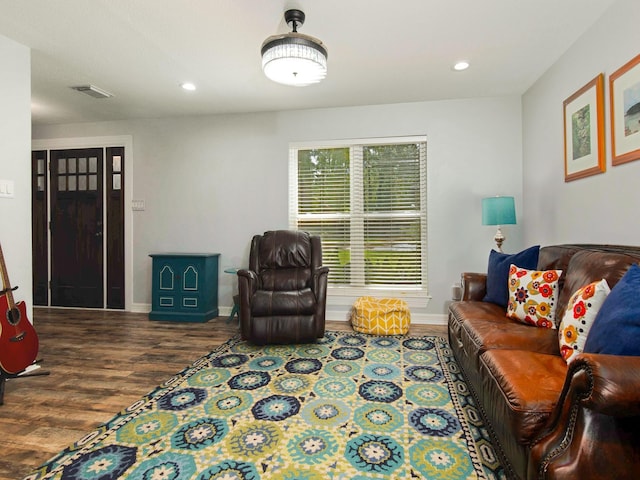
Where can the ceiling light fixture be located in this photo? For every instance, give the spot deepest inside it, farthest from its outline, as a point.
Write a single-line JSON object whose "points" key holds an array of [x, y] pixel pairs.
{"points": [[294, 58], [461, 66], [188, 86]]}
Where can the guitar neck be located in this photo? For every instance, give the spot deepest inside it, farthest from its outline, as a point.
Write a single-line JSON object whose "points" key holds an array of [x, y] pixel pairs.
{"points": [[6, 286]]}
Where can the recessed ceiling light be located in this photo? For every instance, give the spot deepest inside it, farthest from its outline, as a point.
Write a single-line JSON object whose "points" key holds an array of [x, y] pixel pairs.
{"points": [[188, 86], [461, 66]]}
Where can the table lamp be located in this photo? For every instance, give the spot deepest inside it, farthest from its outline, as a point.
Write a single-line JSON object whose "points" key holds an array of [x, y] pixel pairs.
{"points": [[498, 211]]}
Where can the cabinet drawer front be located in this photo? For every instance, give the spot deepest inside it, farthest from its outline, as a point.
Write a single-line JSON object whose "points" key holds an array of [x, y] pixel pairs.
{"points": [[166, 302], [190, 302]]}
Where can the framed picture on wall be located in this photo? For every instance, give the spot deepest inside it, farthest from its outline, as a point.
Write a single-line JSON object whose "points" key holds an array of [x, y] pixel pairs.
{"points": [[624, 88], [584, 152]]}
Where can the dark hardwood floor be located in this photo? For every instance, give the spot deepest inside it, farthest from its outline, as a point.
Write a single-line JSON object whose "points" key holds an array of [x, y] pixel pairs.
{"points": [[99, 363]]}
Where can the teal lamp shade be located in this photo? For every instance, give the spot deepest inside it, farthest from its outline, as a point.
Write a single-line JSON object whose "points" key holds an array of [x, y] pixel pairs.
{"points": [[498, 211]]}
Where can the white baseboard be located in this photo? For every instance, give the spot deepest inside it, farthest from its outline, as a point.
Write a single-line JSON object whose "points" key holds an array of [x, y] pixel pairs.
{"points": [[146, 308], [140, 307], [341, 315]]}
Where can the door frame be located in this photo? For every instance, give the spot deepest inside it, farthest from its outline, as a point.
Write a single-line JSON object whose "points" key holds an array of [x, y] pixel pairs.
{"points": [[125, 141]]}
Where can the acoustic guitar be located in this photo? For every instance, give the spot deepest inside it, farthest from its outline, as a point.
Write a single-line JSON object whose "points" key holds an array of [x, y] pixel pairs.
{"points": [[18, 339]]}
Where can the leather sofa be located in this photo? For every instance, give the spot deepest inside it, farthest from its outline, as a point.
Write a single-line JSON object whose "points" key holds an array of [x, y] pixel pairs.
{"points": [[283, 292], [547, 419]]}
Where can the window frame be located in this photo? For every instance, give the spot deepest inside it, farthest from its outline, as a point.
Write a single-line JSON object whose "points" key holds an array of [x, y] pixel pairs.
{"points": [[344, 295]]}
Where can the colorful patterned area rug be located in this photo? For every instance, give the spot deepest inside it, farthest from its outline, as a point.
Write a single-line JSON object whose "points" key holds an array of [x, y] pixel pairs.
{"points": [[350, 406]]}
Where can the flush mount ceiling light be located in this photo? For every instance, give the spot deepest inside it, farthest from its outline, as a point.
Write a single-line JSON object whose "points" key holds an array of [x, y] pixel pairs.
{"points": [[294, 58], [93, 91]]}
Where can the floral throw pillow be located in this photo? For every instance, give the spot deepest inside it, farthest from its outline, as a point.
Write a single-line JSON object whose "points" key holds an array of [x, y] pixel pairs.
{"points": [[579, 316], [532, 296]]}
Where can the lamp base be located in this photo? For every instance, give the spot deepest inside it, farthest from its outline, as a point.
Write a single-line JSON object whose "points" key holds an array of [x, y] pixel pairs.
{"points": [[499, 239]]}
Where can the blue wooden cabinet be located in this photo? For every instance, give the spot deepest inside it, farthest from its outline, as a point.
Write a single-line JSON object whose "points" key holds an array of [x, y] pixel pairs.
{"points": [[184, 287]]}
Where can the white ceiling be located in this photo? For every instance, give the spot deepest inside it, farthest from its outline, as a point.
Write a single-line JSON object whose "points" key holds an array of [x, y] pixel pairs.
{"points": [[380, 51]]}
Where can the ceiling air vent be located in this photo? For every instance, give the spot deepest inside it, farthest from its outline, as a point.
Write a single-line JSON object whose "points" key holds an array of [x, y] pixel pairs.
{"points": [[93, 91]]}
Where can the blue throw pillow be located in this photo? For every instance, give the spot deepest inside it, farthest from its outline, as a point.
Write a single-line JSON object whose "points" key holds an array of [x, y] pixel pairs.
{"points": [[616, 329], [498, 272]]}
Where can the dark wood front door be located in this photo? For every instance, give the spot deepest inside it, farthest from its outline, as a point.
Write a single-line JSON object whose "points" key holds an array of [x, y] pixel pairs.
{"points": [[77, 233]]}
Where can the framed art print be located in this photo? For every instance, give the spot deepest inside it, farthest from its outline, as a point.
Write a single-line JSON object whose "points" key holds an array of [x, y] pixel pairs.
{"points": [[624, 88], [584, 152]]}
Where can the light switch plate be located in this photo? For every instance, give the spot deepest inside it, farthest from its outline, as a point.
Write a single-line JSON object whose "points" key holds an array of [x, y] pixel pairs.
{"points": [[6, 189], [137, 205]]}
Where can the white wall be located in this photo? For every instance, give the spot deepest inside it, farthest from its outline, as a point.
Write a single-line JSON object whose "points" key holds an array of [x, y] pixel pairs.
{"points": [[210, 183], [602, 208], [15, 165]]}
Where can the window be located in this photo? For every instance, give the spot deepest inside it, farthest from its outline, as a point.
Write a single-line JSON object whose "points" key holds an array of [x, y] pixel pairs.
{"points": [[367, 200]]}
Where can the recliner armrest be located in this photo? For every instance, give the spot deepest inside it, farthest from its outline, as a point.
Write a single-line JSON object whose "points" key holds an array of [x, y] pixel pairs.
{"points": [[321, 270], [319, 282], [245, 272], [247, 286], [474, 286], [319, 285], [248, 283], [321, 274]]}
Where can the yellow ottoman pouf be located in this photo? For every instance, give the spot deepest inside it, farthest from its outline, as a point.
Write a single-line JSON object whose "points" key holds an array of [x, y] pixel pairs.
{"points": [[380, 316]]}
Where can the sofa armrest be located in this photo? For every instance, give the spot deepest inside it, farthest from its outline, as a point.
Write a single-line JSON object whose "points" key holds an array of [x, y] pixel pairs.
{"points": [[595, 426], [474, 286], [614, 383]]}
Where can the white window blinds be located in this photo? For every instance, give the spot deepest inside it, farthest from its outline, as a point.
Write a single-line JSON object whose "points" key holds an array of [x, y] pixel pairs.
{"points": [[367, 200]]}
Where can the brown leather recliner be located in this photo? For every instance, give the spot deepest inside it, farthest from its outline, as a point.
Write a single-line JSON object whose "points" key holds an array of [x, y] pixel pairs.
{"points": [[283, 292]]}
